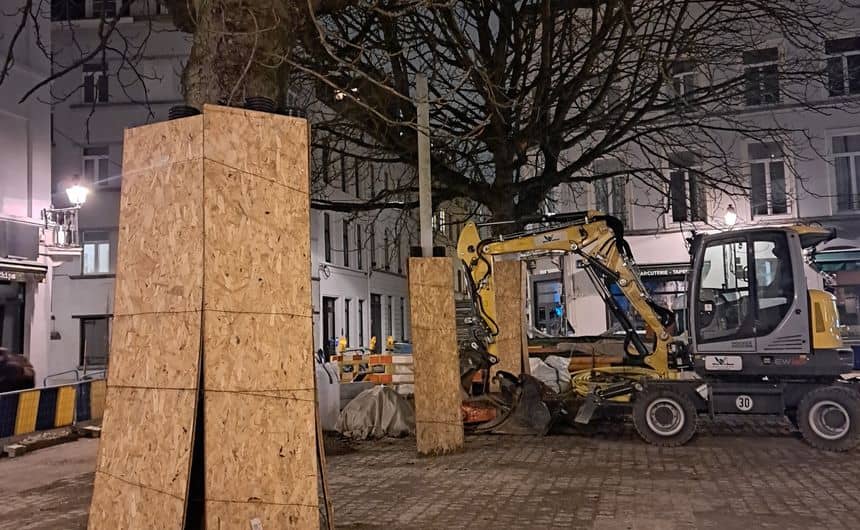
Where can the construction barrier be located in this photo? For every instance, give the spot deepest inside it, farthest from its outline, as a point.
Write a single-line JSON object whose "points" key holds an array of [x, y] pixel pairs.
{"points": [[40, 409]]}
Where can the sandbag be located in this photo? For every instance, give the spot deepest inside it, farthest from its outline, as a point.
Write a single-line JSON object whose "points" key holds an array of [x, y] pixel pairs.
{"points": [[376, 413]]}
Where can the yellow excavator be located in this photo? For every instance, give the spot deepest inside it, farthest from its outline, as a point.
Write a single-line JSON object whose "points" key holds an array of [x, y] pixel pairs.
{"points": [[759, 341]]}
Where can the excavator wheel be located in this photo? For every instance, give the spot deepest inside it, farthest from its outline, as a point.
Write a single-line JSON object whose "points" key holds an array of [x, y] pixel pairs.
{"points": [[664, 417], [829, 418]]}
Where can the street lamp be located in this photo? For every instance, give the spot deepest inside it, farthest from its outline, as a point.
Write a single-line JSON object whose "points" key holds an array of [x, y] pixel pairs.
{"points": [[77, 194], [731, 216]]}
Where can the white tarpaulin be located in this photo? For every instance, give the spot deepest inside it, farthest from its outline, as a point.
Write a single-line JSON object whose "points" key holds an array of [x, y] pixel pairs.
{"points": [[553, 372], [376, 413]]}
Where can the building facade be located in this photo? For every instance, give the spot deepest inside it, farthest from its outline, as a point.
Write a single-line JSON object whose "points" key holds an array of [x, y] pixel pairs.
{"points": [[357, 293], [810, 175], [27, 255]]}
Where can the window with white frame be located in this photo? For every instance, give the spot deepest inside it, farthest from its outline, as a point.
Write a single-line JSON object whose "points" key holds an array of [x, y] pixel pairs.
{"points": [[684, 79], [761, 76], [96, 165], [95, 83], [96, 253], [386, 251], [846, 166], [359, 247], [768, 182], [104, 8], [610, 192], [327, 237], [687, 198], [843, 66], [439, 222]]}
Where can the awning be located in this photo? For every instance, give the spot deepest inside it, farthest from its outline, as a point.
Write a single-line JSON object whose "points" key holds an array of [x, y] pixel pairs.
{"points": [[837, 260], [12, 270]]}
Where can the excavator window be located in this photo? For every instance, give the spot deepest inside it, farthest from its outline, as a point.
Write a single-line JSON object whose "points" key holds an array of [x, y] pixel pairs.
{"points": [[724, 308], [774, 282]]}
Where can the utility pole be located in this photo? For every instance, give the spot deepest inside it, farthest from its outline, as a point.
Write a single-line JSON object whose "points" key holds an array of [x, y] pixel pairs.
{"points": [[425, 199]]}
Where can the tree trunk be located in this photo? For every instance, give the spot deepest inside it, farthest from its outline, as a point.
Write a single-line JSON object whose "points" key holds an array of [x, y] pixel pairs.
{"points": [[238, 50]]}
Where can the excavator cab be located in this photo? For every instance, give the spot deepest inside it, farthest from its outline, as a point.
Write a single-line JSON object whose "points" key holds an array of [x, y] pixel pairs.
{"points": [[751, 313]]}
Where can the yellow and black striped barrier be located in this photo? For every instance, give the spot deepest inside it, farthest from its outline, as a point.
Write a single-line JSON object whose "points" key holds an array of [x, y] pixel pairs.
{"points": [[39, 409]]}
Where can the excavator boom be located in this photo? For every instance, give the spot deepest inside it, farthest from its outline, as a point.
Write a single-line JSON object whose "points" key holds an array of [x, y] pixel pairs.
{"points": [[596, 238]]}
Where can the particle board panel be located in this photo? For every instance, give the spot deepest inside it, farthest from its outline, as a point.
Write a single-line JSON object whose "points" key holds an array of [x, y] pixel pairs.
{"points": [[153, 350], [160, 240], [119, 504], [507, 276], [155, 453], [142, 473], [260, 436], [261, 459], [257, 352], [257, 244], [438, 420], [162, 144], [273, 147]]}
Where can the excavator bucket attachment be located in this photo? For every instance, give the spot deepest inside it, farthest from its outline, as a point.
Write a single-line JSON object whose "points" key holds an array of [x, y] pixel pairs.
{"points": [[521, 410]]}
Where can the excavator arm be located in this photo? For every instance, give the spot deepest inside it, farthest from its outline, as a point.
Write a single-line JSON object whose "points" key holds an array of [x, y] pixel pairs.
{"points": [[599, 240]]}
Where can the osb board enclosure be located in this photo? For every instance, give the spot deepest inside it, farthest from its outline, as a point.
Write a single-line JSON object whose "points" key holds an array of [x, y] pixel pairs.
{"points": [[438, 420], [213, 266], [508, 277], [260, 437], [143, 467]]}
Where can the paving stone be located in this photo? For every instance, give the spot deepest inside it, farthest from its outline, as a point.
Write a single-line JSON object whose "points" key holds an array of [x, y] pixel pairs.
{"points": [[734, 474]]}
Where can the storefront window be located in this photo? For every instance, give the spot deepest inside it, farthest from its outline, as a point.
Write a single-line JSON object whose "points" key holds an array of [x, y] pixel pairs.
{"points": [[12, 316], [95, 340], [548, 307], [669, 292]]}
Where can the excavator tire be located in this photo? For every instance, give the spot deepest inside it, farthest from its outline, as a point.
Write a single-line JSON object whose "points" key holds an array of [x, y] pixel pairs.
{"points": [[829, 418], [664, 417]]}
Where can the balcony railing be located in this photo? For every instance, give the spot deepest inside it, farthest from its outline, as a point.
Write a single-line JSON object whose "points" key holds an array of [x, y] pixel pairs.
{"points": [[61, 227]]}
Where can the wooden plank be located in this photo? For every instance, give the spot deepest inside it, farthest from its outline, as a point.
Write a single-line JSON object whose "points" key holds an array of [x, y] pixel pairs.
{"points": [[145, 452], [438, 420], [508, 279], [524, 296], [260, 434]]}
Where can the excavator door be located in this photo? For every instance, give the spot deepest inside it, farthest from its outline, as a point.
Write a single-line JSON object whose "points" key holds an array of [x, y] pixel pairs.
{"points": [[749, 302]]}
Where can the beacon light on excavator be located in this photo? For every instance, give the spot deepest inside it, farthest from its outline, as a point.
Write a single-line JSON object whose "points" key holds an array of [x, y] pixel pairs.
{"points": [[759, 341]]}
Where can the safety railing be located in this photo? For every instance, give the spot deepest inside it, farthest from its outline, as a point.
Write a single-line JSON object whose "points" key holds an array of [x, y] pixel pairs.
{"points": [[40, 409], [87, 374]]}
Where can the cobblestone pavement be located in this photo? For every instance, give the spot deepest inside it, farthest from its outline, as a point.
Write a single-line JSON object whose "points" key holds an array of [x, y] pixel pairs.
{"points": [[732, 475]]}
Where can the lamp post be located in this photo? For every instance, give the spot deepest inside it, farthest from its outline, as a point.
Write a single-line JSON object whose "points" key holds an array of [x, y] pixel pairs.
{"points": [[730, 217], [77, 195]]}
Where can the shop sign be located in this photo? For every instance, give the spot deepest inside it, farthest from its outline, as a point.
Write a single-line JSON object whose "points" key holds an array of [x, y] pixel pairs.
{"points": [[13, 276], [671, 270]]}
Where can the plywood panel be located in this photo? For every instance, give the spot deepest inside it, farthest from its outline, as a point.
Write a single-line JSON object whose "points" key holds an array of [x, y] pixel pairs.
{"points": [[261, 459], [160, 239], [257, 244], [507, 277], [256, 352], [146, 440], [153, 350], [260, 437], [162, 144], [118, 504], [145, 451], [269, 146], [438, 421]]}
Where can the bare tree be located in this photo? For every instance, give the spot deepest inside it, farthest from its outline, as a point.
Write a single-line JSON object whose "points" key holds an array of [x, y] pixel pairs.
{"points": [[526, 96]]}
